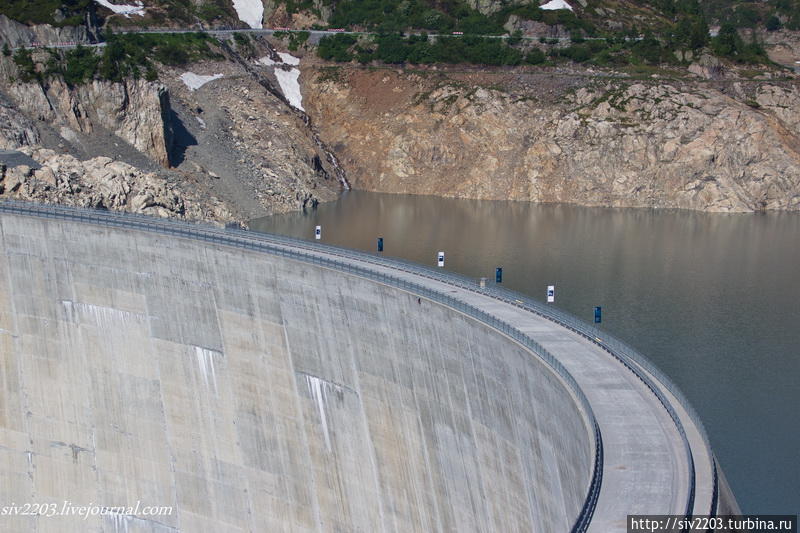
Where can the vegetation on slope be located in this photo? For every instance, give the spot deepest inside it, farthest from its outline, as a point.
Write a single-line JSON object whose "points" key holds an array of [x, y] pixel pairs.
{"points": [[610, 51], [603, 33], [629, 33], [159, 12], [393, 15], [657, 16], [445, 15], [771, 14], [55, 12], [125, 55]]}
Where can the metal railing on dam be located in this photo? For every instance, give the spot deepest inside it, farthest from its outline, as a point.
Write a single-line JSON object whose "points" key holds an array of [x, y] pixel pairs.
{"points": [[298, 250]]}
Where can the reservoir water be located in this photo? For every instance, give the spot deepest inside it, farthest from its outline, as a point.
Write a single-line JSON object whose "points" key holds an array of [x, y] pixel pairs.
{"points": [[712, 299]]}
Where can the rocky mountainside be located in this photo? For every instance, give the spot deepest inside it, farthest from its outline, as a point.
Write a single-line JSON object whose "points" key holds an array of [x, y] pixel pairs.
{"points": [[561, 137], [232, 130], [231, 145]]}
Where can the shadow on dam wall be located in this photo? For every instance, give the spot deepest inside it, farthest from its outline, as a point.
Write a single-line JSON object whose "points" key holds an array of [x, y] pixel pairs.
{"points": [[255, 393]]}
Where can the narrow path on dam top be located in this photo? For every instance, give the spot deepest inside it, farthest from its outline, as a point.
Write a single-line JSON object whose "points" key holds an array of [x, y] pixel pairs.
{"points": [[646, 467]]}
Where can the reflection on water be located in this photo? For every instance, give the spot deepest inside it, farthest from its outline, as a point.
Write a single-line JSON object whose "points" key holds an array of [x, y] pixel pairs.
{"points": [[713, 300]]}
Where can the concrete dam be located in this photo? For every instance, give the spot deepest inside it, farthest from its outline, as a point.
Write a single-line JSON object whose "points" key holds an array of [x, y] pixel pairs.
{"points": [[254, 383]]}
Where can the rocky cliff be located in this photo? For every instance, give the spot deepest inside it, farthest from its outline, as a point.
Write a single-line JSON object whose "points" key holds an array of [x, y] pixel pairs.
{"points": [[15, 34], [137, 111], [103, 183], [15, 128], [232, 138], [548, 136], [247, 144]]}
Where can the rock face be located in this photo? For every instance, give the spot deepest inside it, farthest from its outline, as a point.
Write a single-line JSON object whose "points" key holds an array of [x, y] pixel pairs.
{"points": [[15, 128], [235, 138], [15, 34], [258, 150], [137, 111], [103, 183], [532, 28], [782, 46], [559, 139]]}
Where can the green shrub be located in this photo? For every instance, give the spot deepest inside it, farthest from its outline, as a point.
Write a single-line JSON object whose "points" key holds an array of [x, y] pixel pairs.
{"points": [[244, 45], [336, 47], [26, 67], [515, 38], [577, 37], [297, 39], [535, 57], [748, 16], [577, 52], [773, 23], [80, 65], [729, 44], [212, 10], [649, 50]]}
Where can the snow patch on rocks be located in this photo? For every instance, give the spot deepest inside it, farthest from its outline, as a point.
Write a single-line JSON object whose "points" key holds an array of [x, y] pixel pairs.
{"points": [[289, 59], [552, 5], [122, 9], [195, 81], [251, 12], [288, 80]]}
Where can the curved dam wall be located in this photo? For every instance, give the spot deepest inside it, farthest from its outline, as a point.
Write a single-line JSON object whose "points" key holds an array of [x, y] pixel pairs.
{"points": [[255, 393]]}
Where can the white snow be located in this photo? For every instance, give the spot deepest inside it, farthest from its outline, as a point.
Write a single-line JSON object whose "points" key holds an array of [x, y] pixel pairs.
{"points": [[251, 12], [195, 81], [556, 4], [290, 86], [122, 9], [289, 59], [287, 79], [201, 122]]}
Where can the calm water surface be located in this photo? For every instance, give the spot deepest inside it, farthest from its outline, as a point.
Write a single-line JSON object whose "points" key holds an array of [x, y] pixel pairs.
{"points": [[712, 299]]}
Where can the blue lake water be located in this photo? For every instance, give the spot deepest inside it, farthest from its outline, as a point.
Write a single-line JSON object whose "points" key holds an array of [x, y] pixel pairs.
{"points": [[712, 299]]}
